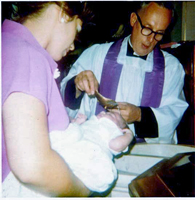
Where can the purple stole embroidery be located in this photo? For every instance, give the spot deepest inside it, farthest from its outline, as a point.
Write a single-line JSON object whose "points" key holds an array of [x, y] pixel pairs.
{"points": [[153, 83]]}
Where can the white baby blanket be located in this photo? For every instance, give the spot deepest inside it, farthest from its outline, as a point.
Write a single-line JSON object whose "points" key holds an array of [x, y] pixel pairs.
{"points": [[86, 149]]}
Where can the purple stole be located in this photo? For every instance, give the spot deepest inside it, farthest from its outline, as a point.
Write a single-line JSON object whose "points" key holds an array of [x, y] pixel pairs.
{"points": [[153, 83], [110, 74]]}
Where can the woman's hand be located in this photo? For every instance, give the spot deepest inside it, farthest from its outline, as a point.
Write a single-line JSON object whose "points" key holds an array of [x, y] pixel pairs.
{"points": [[81, 118]]}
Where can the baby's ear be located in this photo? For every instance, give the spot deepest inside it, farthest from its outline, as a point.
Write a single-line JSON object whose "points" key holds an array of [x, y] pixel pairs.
{"points": [[126, 130]]}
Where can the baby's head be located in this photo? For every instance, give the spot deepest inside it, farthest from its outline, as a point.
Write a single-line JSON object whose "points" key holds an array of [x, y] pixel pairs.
{"points": [[115, 117]]}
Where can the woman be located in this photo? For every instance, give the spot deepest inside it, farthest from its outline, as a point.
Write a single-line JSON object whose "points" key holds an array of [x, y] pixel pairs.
{"points": [[41, 33]]}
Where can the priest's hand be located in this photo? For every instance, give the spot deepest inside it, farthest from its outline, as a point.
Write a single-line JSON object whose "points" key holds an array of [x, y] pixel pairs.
{"points": [[87, 82], [129, 112]]}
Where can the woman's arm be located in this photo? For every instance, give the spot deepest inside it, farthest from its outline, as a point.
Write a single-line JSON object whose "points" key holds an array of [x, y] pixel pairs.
{"points": [[29, 152]]}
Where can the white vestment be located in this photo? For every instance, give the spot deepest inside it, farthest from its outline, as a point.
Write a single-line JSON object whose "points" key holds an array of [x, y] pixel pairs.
{"points": [[130, 87]]}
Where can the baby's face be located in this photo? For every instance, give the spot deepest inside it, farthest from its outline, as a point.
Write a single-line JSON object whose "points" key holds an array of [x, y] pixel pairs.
{"points": [[113, 116]]}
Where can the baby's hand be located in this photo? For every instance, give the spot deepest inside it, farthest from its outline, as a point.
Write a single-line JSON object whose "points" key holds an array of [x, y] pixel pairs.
{"points": [[79, 119]]}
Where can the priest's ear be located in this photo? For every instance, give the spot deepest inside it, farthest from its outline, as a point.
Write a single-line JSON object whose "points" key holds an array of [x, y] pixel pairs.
{"points": [[133, 19]]}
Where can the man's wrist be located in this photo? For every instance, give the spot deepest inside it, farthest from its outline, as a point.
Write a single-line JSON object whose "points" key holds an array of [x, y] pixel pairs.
{"points": [[148, 125], [139, 114]]}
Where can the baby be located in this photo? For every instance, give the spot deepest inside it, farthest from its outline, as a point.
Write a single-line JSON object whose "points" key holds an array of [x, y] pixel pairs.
{"points": [[119, 143], [88, 147]]}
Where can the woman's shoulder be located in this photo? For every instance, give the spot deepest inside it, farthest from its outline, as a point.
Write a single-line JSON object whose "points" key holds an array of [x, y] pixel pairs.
{"points": [[19, 54]]}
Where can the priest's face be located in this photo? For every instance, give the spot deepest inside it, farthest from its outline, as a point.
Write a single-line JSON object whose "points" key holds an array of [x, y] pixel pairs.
{"points": [[148, 27]]}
